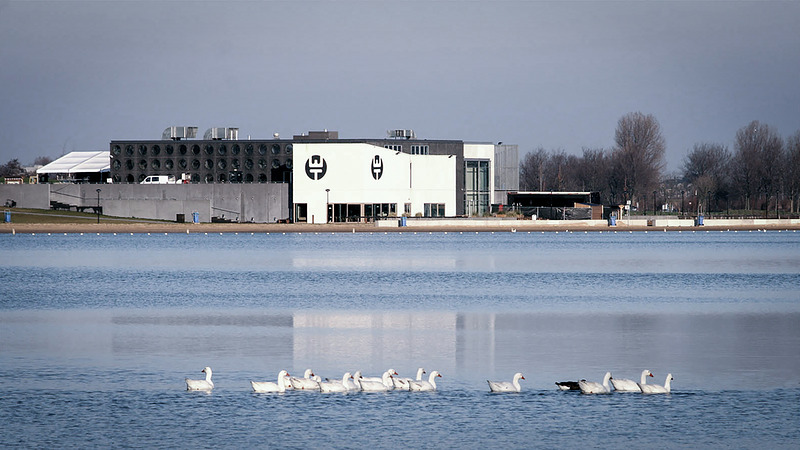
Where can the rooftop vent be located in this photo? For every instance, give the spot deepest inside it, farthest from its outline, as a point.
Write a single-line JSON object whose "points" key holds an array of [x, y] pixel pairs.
{"points": [[178, 133], [216, 134], [401, 134]]}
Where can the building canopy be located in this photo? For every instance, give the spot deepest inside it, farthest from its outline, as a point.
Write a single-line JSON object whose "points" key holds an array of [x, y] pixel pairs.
{"points": [[79, 162]]}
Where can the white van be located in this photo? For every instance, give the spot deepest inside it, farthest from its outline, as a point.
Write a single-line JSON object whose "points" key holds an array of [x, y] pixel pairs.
{"points": [[160, 179]]}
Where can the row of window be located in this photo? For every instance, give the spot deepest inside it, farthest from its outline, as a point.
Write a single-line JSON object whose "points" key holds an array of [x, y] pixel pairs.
{"points": [[434, 210], [232, 177], [168, 164], [196, 149], [358, 212], [419, 149], [415, 149]]}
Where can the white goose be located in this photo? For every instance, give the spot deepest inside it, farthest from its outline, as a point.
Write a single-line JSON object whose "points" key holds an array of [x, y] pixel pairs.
{"points": [[422, 385], [404, 384], [593, 387], [307, 383], [656, 389], [335, 385], [625, 385], [201, 385], [373, 386], [506, 386], [391, 372], [271, 386]]}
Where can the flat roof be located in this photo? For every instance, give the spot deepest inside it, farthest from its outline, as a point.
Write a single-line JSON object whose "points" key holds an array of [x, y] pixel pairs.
{"points": [[79, 162]]}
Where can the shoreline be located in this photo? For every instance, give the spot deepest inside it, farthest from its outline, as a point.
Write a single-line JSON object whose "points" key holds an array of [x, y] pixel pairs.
{"points": [[520, 226]]}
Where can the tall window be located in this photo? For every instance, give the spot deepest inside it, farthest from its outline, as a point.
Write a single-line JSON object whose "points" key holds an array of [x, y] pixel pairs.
{"points": [[477, 195]]}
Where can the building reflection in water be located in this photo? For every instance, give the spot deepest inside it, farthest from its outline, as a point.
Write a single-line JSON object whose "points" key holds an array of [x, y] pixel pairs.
{"points": [[376, 341]]}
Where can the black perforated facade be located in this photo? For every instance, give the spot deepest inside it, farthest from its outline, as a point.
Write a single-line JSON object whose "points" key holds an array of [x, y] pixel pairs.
{"points": [[203, 161]]}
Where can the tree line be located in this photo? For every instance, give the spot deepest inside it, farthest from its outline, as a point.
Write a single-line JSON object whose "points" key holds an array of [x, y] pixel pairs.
{"points": [[762, 172], [13, 168]]}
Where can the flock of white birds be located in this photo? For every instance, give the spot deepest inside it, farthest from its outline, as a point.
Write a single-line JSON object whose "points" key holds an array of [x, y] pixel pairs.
{"points": [[390, 381], [618, 385]]}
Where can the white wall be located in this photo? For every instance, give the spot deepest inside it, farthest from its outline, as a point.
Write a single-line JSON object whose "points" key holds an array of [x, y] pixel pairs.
{"points": [[417, 179]]}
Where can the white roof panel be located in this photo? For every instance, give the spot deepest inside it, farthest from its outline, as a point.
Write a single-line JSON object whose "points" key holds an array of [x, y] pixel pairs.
{"points": [[79, 162]]}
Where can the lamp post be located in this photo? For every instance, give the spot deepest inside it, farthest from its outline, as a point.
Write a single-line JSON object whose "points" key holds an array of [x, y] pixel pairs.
{"points": [[328, 206], [682, 192], [644, 203], [654, 203], [97, 209]]}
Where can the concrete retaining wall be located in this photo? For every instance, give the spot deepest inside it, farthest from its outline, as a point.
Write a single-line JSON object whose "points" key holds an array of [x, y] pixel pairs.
{"points": [[26, 195], [496, 222], [262, 203], [750, 222]]}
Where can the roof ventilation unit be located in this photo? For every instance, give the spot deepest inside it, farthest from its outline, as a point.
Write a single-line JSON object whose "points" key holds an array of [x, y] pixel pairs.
{"points": [[178, 133], [217, 134], [401, 134]]}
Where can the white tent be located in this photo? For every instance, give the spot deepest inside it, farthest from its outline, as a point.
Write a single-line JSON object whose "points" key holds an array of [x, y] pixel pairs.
{"points": [[79, 162]]}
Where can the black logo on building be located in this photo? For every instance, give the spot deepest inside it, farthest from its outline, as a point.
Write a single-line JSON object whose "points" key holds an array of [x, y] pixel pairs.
{"points": [[316, 167], [377, 167]]}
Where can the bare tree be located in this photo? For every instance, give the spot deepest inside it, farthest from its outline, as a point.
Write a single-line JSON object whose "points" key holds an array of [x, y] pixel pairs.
{"points": [[706, 169], [531, 170], [792, 173], [42, 161], [639, 155], [756, 161], [558, 172], [592, 173]]}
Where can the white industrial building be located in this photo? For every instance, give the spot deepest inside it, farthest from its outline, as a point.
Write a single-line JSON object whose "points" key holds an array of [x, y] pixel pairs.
{"points": [[310, 178], [339, 182]]}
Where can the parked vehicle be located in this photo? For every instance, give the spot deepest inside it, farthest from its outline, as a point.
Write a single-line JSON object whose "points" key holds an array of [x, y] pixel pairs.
{"points": [[161, 179]]}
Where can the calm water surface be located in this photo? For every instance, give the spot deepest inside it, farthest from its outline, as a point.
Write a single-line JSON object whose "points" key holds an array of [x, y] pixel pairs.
{"points": [[97, 334]]}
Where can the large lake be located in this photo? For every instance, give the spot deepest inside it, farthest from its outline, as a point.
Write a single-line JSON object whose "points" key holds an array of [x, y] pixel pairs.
{"points": [[97, 333]]}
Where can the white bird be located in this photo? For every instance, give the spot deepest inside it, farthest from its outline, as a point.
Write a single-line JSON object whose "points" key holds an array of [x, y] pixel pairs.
{"points": [[593, 387], [656, 389], [373, 386], [404, 384], [391, 372], [506, 386], [349, 383], [423, 385], [625, 385], [335, 385], [307, 383], [201, 385], [271, 386]]}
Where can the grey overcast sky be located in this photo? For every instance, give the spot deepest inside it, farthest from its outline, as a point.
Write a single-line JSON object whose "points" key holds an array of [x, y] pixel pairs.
{"points": [[76, 74]]}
